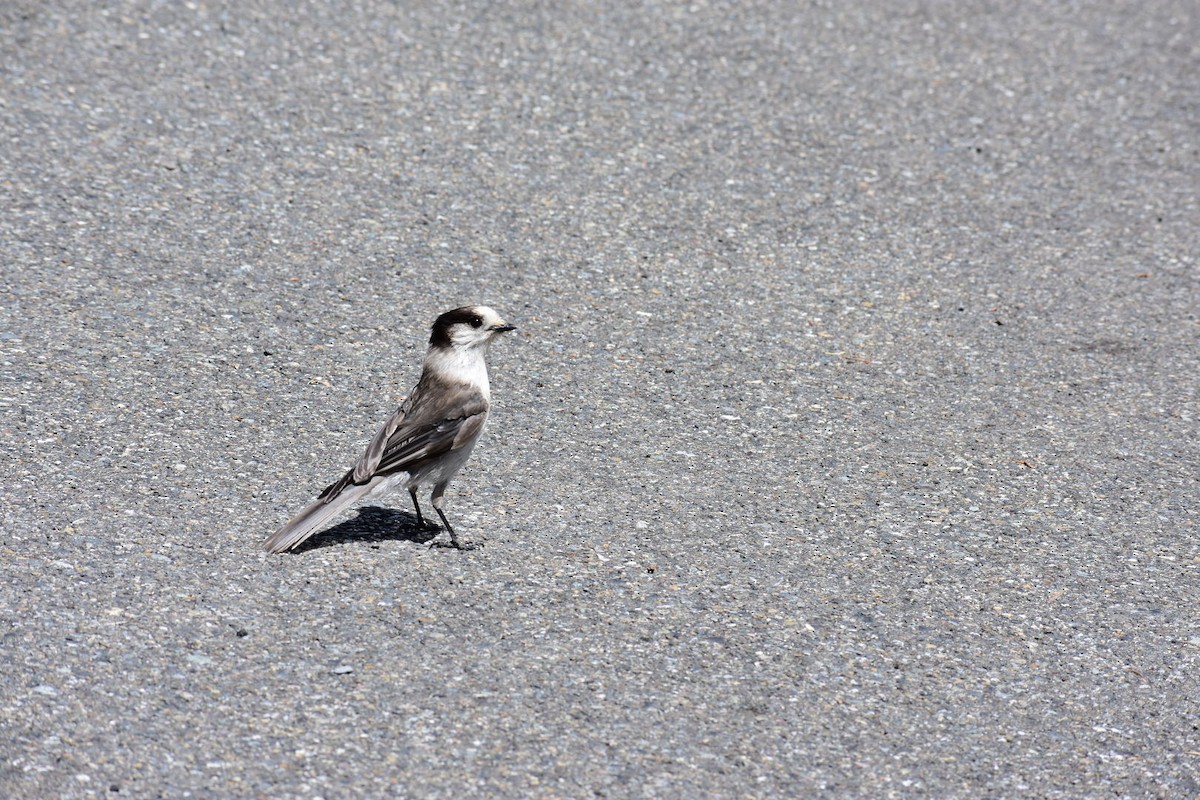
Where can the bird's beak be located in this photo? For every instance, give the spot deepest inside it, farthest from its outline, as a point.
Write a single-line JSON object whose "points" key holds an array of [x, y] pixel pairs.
{"points": [[503, 327]]}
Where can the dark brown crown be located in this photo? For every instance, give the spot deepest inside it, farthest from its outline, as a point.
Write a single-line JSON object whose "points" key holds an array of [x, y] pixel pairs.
{"points": [[439, 336]]}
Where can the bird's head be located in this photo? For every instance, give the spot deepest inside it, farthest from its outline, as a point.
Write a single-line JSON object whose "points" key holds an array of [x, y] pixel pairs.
{"points": [[468, 326]]}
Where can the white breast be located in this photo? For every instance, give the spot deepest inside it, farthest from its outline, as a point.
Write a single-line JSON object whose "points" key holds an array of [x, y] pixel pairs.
{"points": [[464, 364]]}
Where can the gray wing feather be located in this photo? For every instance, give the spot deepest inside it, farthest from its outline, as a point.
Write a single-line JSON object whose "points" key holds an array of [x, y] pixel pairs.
{"points": [[368, 462], [468, 430], [411, 438], [431, 441]]}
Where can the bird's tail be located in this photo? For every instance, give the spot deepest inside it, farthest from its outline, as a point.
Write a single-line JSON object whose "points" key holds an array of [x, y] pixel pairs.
{"points": [[314, 515]]}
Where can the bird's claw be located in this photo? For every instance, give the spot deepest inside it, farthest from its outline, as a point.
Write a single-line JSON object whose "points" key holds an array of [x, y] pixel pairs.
{"points": [[454, 544]]}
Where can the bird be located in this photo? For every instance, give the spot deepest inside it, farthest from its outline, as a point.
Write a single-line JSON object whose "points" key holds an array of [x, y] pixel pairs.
{"points": [[428, 439]]}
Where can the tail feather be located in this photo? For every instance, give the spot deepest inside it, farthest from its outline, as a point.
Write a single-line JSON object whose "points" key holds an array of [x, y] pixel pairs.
{"points": [[312, 517]]}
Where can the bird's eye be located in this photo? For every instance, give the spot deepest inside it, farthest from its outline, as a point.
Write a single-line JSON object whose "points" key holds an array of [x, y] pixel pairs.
{"points": [[476, 322]]}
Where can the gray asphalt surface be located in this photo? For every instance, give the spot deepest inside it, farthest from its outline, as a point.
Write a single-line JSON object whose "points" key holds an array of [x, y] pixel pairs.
{"points": [[848, 446]]}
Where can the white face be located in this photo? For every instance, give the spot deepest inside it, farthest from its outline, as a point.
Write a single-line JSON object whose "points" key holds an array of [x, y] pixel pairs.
{"points": [[475, 326]]}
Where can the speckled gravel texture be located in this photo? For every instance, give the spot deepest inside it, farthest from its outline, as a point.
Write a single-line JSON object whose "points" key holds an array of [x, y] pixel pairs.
{"points": [[848, 446]]}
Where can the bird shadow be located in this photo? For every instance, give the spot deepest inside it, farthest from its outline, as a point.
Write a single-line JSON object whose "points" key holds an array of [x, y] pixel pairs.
{"points": [[372, 524]]}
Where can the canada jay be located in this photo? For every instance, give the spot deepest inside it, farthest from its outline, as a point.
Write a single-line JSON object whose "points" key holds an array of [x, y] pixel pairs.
{"points": [[428, 439]]}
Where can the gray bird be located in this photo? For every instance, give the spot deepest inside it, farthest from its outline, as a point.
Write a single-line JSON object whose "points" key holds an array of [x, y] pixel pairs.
{"points": [[428, 439]]}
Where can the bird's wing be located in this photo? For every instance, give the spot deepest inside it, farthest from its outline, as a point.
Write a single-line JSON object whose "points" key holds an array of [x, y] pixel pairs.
{"points": [[429, 442], [364, 468], [368, 462], [417, 432]]}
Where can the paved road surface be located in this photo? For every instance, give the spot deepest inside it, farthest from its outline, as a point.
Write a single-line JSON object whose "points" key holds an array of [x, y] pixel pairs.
{"points": [[848, 447]]}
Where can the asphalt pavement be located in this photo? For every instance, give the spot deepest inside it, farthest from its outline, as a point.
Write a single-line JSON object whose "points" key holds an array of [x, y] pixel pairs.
{"points": [[848, 445]]}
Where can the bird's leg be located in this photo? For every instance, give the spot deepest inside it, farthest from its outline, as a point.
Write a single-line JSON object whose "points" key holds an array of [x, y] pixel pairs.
{"points": [[421, 523], [438, 492]]}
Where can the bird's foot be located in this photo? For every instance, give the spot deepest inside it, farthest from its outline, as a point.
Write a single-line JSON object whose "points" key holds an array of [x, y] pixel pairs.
{"points": [[455, 544]]}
